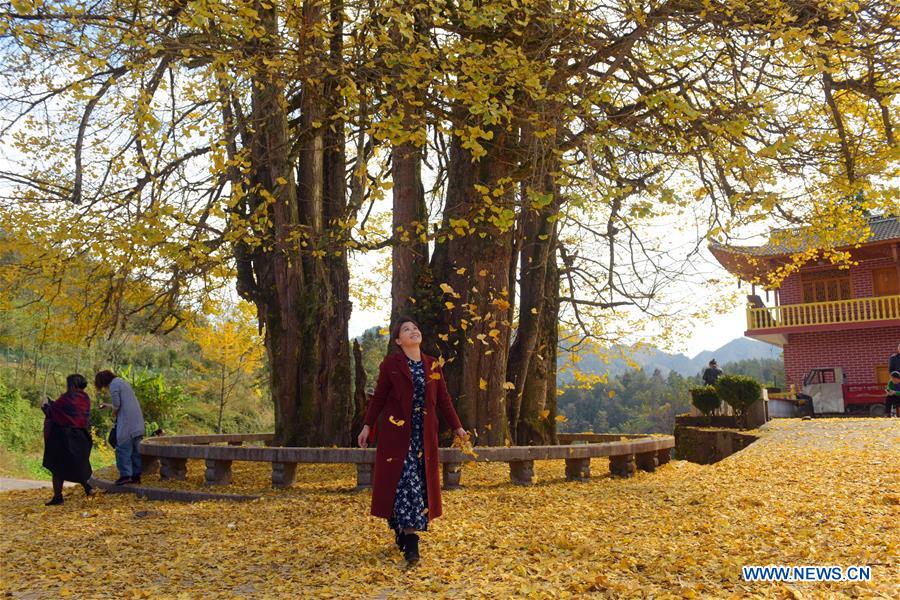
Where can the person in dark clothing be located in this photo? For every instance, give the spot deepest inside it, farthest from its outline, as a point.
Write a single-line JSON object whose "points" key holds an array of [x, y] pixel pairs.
{"points": [[711, 373], [894, 361], [892, 400], [67, 438]]}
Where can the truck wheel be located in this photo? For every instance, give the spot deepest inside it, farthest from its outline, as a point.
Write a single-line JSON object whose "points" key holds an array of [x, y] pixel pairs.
{"points": [[876, 410]]}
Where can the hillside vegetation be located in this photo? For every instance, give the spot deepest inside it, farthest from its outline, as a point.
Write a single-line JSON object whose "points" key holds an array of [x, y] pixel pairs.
{"points": [[203, 378], [640, 402]]}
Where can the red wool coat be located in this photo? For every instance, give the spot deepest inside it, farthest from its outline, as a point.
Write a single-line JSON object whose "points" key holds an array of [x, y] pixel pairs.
{"points": [[394, 397]]}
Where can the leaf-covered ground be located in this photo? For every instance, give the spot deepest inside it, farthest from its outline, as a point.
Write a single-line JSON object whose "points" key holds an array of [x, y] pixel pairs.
{"points": [[808, 493]]}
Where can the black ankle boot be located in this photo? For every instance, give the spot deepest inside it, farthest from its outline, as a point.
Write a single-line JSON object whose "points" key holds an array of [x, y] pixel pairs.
{"points": [[88, 489], [411, 548], [54, 501], [400, 539]]}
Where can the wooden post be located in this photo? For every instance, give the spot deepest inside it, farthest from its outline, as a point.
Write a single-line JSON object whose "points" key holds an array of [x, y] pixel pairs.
{"points": [[283, 474], [452, 475], [646, 461], [173, 468], [218, 472], [363, 475], [521, 472], [622, 466], [578, 469]]}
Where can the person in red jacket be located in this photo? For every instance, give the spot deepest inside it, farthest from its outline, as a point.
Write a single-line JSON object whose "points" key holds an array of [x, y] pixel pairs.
{"points": [[406, 487], [67, 437]]}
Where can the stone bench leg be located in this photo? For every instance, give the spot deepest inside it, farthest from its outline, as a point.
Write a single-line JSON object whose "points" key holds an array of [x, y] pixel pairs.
{"points": [[173, 468], [283, 474], [622, 466], [218, 472], [149, 465], [578, 469], [663, 456], [646, 461], [364, 475], [452, 475], [521, 472]]}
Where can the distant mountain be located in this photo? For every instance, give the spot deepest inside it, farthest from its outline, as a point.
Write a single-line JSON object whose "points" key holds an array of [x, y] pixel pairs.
{"points": [[738, 349], [650, 358]]}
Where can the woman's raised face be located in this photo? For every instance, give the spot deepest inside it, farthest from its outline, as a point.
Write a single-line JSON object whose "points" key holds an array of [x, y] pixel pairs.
{"points": [[409, 335]]}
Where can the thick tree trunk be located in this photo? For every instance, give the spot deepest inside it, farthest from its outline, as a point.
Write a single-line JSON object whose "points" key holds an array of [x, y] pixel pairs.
{"points": [[298, 277], [537, 257], [476, 265], [409, 254], [536, 424], [323, 158], [276, 282]]}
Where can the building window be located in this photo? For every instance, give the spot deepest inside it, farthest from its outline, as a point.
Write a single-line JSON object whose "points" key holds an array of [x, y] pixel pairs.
{"points": [[826, 286], [885, 281]]}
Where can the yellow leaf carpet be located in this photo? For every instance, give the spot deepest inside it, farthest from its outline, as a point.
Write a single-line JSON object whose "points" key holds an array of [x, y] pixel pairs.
{"points": [[822, 492]]}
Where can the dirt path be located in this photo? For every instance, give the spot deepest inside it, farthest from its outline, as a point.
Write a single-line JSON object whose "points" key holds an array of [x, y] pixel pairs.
{"points": [[8, 484]]}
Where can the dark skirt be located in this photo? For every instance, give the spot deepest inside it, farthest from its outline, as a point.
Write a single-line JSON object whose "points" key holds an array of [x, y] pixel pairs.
{"points": [[67, 453], [411, 498]]}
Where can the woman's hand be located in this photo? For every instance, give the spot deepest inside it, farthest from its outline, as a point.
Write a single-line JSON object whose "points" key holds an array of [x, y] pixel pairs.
{"points": [[461, 434], [363, 439], [45, 401]]}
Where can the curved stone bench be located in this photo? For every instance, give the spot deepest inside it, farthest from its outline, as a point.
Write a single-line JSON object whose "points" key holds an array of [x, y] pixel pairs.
{"points": [[170, 455]]}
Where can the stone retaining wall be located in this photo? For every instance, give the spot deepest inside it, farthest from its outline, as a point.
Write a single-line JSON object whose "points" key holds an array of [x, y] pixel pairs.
{"points": [[708, 445]]}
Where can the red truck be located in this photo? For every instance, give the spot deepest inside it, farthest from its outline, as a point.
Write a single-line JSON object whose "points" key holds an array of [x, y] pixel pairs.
{"points": [[827, 393]]}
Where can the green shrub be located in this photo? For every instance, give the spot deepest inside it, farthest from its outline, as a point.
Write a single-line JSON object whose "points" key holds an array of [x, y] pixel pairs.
{"points": [[160, 402], [202, 418], [739, 392], [705, 399], [101, 420], [21, 422]]}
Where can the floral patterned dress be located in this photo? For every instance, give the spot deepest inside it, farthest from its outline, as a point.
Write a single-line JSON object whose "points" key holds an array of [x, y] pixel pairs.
{"points": [[411, 499]]}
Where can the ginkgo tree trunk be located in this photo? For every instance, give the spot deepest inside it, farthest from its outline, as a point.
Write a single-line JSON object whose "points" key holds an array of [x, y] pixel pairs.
{"points": [[473, 259], [297, 274]]}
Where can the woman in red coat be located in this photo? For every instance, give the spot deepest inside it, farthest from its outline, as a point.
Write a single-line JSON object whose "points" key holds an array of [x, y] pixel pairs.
{"points": [[406, 488]]}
